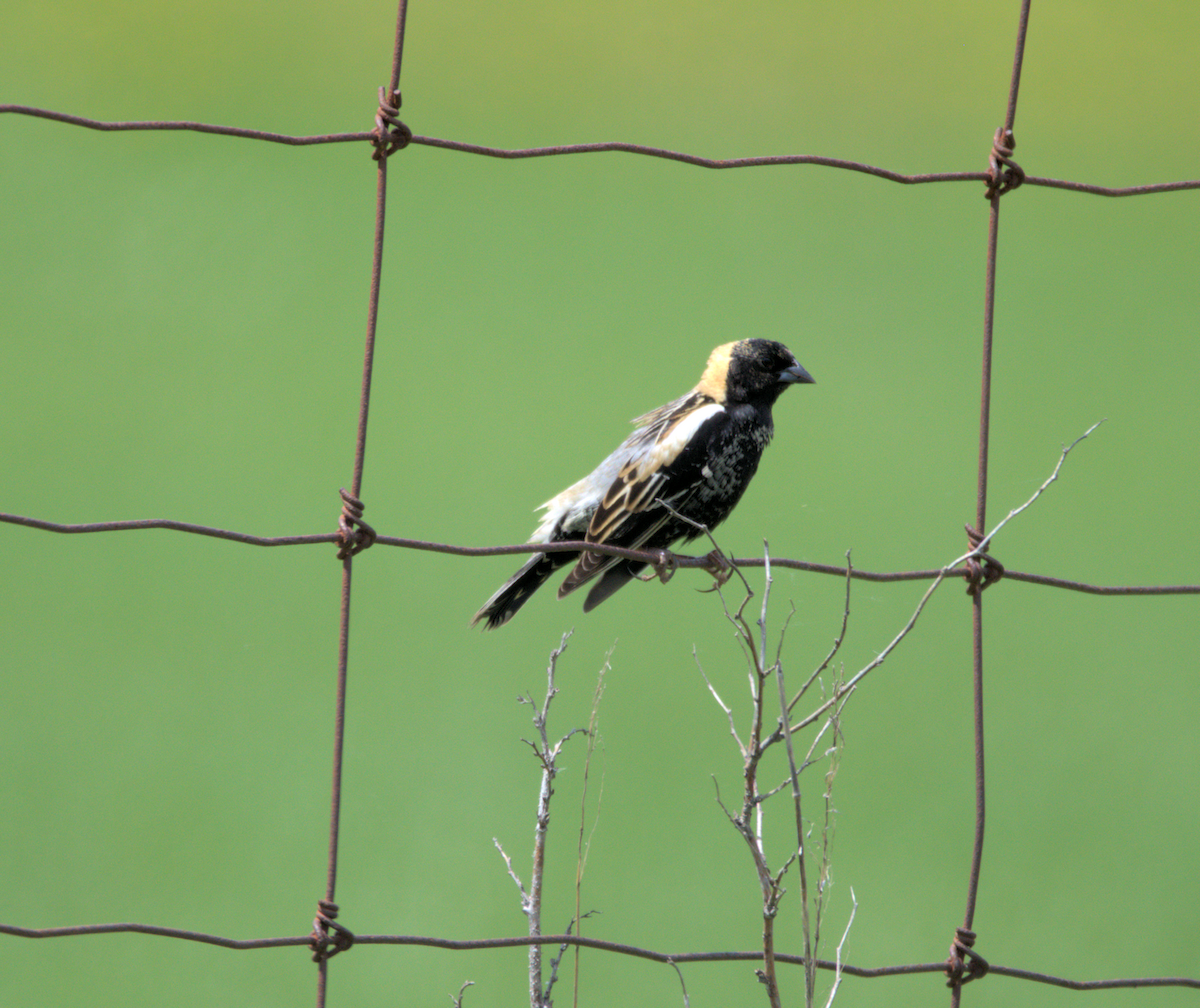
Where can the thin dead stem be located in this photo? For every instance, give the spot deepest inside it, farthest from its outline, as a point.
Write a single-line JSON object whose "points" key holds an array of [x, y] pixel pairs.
{"points": [[547, 755], [584, 840]]}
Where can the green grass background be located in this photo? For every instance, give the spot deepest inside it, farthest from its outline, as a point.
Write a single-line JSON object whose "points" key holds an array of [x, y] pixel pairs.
{"points": [[183, 320]]}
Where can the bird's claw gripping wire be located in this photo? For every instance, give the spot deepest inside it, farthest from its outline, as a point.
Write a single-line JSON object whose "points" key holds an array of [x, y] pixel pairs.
{"points": [[664, 568], [718, 565]]}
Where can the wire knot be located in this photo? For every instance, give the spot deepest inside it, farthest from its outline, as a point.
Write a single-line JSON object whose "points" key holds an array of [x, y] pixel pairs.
{"points": [[982, 571], [355, 533], [964, 964], [325, 946], [1004, 174], [388, 141]]}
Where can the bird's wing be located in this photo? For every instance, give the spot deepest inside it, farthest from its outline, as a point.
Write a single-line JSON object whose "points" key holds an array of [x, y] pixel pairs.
{"points": [[627, 515]]}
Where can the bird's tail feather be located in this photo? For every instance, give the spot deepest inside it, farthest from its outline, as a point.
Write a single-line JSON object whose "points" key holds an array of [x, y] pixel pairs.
{"points": [[612, 579], [515, 592]]}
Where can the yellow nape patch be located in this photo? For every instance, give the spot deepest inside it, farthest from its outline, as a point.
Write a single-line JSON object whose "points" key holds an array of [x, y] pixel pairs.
{"points": [[712, 382]]}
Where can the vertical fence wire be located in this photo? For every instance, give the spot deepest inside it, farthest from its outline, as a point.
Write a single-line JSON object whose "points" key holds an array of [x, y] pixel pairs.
{"points": [[354, 527]]}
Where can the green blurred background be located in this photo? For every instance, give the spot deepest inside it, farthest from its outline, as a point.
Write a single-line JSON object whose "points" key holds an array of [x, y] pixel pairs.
{"points": [[183, 320]]}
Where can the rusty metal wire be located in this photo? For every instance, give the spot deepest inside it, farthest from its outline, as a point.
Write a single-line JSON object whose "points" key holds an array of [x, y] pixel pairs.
{"points": [[581, 941], [597, 148], [329, 937], [652, 557], [391, 135]]}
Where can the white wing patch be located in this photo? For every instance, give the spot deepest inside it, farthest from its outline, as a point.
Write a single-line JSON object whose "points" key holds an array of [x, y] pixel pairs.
{"points": [[636, 487], [664, 433], [671, 442]]}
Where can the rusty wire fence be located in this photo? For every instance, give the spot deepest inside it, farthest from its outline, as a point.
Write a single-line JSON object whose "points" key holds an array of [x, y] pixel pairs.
{"points": [[334, 931]]}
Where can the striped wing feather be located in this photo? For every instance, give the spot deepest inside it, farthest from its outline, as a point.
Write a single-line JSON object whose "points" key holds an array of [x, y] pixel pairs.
{"points": [[621, 516]]}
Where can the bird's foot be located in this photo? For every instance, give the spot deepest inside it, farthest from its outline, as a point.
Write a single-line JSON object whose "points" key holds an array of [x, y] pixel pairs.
{"points": [[717, 564], [664, 568]]}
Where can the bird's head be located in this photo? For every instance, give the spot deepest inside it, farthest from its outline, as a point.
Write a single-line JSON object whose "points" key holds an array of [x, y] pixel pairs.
{"points": [[751, 370]]}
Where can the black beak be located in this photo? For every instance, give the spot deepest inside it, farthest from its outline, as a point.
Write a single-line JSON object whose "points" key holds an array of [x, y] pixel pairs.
{"points": [[796, 375]]}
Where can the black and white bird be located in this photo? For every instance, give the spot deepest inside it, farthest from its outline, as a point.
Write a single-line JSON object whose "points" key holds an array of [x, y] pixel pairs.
{"points": [[697, 453]]}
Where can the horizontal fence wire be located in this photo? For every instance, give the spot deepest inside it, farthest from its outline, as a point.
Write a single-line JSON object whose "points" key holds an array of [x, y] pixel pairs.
{"points": [[659, 559], [976, 566], [599, 148], [580, 941]]}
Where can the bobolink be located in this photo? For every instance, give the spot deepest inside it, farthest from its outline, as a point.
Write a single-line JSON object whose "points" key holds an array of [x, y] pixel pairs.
{"points": [[697, 453]]}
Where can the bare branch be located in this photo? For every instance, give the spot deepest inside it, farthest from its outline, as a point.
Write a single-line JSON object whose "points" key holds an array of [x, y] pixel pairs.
{"points": [[837, 969], [513, 875], [978, 551]]}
